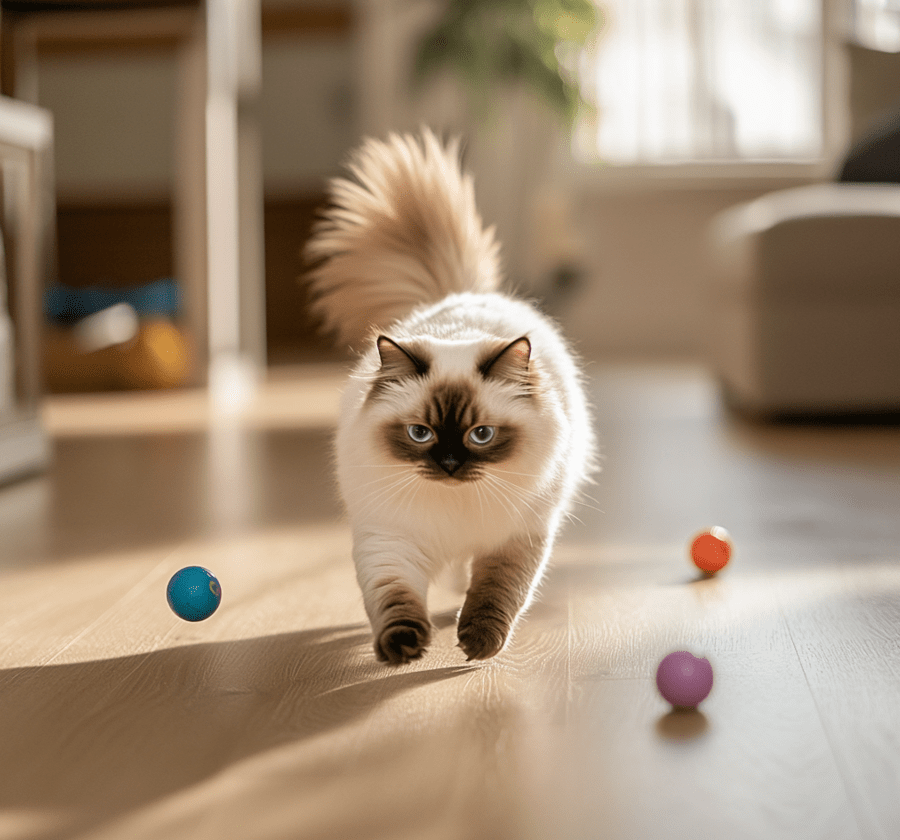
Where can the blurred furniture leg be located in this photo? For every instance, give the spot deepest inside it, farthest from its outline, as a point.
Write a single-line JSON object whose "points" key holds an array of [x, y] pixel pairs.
{"points": [[26, 156], [218, 194], [235, 320]]}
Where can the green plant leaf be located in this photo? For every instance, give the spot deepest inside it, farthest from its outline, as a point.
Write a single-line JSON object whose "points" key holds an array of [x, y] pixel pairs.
{"points": [[493, 43]]}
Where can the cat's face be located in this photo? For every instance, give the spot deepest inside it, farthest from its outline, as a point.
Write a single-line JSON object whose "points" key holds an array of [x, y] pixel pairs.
{"points": [[455, 413]]}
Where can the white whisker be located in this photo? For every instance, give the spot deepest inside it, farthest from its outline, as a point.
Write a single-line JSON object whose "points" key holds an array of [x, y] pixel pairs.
{"points": [[517, 491], [382, 466], [396, 489], [585, 504], [480, 501], [498, 495], [510, 472], [516, 488], [381, 479], [416, 488], [571, 517], [380, 492]]}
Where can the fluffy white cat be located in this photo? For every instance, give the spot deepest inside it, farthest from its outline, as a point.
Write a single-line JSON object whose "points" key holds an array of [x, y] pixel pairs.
{"points": [[464, 432]]}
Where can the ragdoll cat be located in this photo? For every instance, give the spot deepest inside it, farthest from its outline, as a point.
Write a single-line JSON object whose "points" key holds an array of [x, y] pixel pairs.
{"points": [[464, 432]]}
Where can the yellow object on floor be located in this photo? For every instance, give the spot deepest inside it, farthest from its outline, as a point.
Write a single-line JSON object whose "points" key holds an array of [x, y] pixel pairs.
{"points": [[159, 356]]}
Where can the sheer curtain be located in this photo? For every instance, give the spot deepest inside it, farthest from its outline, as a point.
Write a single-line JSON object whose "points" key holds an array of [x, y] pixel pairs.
{"points": [[705, 80]]}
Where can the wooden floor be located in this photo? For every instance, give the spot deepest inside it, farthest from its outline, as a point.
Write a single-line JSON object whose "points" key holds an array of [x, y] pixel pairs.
{"points": [[272, 719]]}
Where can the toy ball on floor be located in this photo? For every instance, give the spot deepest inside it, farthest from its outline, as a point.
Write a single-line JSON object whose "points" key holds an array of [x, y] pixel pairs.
{"points": [[194, 593], [711, 550], [683, 679]]}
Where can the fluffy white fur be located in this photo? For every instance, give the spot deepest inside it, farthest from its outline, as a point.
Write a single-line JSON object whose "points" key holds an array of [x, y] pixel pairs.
{"points": [[403, 253]]}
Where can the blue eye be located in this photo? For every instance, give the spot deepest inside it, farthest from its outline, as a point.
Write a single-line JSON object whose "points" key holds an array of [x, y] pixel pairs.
{"points": [[481, 435], [419, 433]]}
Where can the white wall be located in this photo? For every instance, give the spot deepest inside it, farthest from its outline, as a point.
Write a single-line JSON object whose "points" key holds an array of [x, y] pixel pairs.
{"points": [[308, 111], [115, 117], [644, 246], [114, 122], [647, 269]]}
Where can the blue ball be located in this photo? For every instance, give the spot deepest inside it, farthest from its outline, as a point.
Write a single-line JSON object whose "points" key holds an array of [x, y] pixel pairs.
{"points": [[194, 593]]}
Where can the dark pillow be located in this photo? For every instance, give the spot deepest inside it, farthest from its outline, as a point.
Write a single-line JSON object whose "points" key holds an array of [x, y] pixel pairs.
{"points": [[875, 157]]}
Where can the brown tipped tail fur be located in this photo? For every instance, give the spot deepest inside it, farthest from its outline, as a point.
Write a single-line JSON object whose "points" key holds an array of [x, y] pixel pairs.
{"points": [[405, 232]]}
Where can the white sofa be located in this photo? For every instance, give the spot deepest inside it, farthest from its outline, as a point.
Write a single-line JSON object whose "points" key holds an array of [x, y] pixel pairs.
{"points": [[805, 307]]}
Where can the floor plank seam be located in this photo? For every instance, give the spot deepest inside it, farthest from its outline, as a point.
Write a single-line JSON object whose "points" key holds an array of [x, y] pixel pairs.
{"points": [[839, 765]]}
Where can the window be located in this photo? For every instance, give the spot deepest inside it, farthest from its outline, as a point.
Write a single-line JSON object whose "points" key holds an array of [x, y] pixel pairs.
{"points": [[706, 80], [876, 24]]}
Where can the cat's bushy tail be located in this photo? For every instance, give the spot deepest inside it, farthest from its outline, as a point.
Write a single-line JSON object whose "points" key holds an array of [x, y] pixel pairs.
{"points": [[405, 232]]}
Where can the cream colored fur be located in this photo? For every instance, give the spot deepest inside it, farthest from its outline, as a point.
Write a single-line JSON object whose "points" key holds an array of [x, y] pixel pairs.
{"points": [[405, 232], [406, 252]]}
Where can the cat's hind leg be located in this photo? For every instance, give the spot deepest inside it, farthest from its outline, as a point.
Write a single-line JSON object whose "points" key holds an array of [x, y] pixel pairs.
{"points": [[393, 577], [502, 584]]}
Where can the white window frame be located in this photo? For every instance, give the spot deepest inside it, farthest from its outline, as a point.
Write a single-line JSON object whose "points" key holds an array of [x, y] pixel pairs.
{"points": [[592, 172]]}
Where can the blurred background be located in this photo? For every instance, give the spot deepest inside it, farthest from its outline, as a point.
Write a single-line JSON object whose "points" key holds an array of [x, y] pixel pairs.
{"points": [[605, 138], [705, 194]]}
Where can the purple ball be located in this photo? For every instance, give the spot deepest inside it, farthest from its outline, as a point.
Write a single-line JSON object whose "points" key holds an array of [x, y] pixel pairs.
{"points": [[683, 679]]}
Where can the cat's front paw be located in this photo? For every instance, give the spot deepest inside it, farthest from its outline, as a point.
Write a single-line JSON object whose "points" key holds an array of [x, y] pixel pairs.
{"points": [[402, 641], [482, 633]]}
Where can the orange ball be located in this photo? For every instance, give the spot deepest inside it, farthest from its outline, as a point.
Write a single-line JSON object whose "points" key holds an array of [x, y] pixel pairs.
{"points": [[711, 550]]}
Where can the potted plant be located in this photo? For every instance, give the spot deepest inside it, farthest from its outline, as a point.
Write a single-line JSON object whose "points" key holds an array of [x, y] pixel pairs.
{"points": [[515, 62], [494, 44]]}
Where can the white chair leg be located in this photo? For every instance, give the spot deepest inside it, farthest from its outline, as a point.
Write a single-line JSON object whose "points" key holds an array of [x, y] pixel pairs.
{"points": [[189, 195], [236, 294]]}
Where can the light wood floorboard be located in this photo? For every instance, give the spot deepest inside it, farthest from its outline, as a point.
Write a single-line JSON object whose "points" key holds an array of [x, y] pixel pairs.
{"points": [[272, 719]]}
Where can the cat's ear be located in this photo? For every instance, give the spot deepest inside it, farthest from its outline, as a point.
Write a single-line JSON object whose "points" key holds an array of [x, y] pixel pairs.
{"points": [[398, 362], [510, 363]]}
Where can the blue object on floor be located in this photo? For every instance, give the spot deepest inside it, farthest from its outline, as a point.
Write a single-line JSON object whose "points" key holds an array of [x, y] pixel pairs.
{"points": [[194, 593], [68, 305]]}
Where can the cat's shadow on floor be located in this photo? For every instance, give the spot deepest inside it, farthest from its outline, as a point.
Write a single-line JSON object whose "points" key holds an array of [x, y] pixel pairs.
{"points": [[101, 738]]}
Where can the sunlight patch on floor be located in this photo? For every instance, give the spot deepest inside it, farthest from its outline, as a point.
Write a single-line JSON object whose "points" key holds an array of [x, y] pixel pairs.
{"points": [[305, 398]]}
